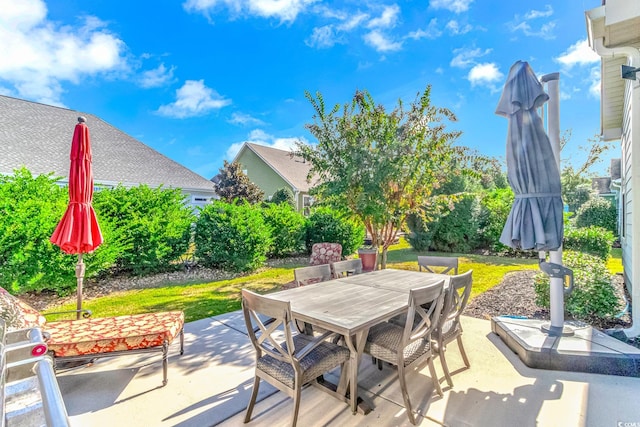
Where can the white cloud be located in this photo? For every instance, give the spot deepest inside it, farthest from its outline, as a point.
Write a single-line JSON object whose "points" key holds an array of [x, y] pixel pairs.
{"points": [[387, 19], [193, 99], [381, 42], [285, 10], [352, 22], [260, 137], [39, 56], [455, 28], [431, 32], [157, 77], [594, 78], [485, 74], [244, 119], [466, 57], [456, 6], [579, 54], [322, 37], [544, 30]]}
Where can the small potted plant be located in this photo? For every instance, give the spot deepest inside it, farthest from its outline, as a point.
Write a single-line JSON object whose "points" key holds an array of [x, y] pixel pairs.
{"points": [[369, 256]]}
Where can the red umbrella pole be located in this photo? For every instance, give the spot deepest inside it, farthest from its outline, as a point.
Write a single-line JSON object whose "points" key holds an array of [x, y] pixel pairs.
{"points": [[80, 279]]}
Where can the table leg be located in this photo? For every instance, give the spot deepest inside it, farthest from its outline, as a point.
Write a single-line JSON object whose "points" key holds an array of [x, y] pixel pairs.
{"points": [[355, 344]]}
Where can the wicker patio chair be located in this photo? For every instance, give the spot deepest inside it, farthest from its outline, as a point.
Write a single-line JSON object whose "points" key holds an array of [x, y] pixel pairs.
{"points": [[449, 327], [445, 264], [409, 346], [325, 253], [285, 361], [346, 268]]}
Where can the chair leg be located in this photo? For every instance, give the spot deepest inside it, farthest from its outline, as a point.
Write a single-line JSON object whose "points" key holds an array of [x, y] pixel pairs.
{"points": [[405, 394], [379, 361], [252, 401], [445, 367], [182, 341], [434, 377], [462, 352], [296, 405]]}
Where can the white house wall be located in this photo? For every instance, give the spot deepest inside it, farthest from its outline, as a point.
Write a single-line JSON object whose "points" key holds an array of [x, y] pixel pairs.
{"points": [[631, 158], [626, 233]]}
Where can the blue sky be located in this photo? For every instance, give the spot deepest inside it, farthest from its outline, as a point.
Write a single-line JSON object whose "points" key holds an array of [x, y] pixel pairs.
{"points": [[194, 79]]}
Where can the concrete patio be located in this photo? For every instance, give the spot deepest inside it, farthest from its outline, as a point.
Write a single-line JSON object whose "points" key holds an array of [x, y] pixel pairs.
{"points": [[211, 384]]}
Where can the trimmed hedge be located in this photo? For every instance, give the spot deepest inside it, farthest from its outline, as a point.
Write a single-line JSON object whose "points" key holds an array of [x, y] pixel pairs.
{"points": [[232, 236], [287, 228], [598, 212], [328, 225], [595, 241]]}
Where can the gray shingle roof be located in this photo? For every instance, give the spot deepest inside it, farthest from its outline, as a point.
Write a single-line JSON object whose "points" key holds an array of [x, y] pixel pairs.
{"points": [[292, 169], [39, 137]]}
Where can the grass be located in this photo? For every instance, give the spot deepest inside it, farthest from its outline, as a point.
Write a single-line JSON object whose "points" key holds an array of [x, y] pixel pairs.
{"points": [[201, 300]]}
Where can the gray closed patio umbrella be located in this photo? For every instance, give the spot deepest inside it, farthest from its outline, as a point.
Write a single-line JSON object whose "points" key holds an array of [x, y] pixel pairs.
{"points": [[536, 217]]}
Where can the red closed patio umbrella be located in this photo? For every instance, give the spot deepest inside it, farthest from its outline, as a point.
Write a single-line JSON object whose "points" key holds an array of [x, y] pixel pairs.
{"points": [[78, 231]]}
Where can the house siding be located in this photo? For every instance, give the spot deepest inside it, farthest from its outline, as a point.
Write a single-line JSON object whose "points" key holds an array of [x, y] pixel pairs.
{"points": [[261, 174]]}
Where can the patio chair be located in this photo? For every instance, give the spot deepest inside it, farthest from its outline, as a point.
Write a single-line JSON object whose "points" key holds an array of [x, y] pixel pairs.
{"points": [[314, 274], [285, 361], [325, 253], [409, 346], [449, 327], [346, 268], [445, 264], [93, 338]]}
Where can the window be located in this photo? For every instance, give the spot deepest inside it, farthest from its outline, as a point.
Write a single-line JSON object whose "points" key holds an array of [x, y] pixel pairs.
{"points": [[307, 202]]}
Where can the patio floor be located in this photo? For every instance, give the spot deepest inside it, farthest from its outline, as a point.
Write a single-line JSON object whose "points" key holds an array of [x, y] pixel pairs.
{"points": [[211, 384]]}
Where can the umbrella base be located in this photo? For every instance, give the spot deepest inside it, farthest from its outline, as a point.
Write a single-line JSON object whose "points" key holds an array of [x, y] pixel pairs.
{"points": [[587, 350], [556, 331]]}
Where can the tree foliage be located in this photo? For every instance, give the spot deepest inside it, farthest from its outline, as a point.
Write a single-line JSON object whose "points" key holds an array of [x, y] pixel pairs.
{"points": [[381, 165], [233, 184], [283, 195]]}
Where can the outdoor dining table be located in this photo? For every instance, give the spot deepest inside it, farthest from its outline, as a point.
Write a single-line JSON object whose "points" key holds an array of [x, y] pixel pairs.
{"points": [[349, 306]]}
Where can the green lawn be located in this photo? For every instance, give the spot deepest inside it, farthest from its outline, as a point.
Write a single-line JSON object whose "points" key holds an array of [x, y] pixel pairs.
{"points": [[200, 300]]}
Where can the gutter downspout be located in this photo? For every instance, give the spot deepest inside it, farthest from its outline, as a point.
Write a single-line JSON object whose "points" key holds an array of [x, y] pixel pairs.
{"points": [[633, 57]]}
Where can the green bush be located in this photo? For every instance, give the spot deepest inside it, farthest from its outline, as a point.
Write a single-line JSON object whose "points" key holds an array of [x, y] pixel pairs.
{"points": [[232, 236], [598, 212], [595, 241], [151, 225], [283, 195], [287, 228], [593, 294], [30, 209], [419, 236], [494, 210], [457, 230], [327, 225]]}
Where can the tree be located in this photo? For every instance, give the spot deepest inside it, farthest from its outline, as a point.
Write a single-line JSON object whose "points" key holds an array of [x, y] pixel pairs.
{"points": [[379, 165], [233, 184], [283, 195]]}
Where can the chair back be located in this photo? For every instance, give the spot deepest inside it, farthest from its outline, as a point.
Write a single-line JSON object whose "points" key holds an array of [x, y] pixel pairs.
{"points": [[267, 335], [346, 268], [314, 274], [421, 321], [325, 253], [457, 296], [445, 263]]}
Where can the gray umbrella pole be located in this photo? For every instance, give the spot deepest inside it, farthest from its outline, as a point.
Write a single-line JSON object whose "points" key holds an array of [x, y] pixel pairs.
{"points": [[556, 284], [80, 279]]}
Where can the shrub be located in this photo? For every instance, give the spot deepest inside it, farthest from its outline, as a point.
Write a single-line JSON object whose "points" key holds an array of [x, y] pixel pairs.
{"points": [[30, 209], [283, 195], [457, 230], [327, 225], [287, 228], [593, 294], [232, 236], [419, 236], [599, 212], [151, 225], [595, 241], [495, 208]]}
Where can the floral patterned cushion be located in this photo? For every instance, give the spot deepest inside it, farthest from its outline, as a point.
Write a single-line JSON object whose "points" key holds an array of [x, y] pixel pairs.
{"points": [[325, 253], [18, 314], [103, 335]]}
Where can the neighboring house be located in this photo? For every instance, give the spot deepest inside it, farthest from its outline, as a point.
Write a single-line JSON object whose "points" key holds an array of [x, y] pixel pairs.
{"points": [[38, 137], [614, 34], [272, 169]]}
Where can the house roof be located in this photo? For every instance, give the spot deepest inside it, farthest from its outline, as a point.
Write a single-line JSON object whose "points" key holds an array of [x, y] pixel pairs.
{"points": [[617, 23], [38, 137], [293, 169]]}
